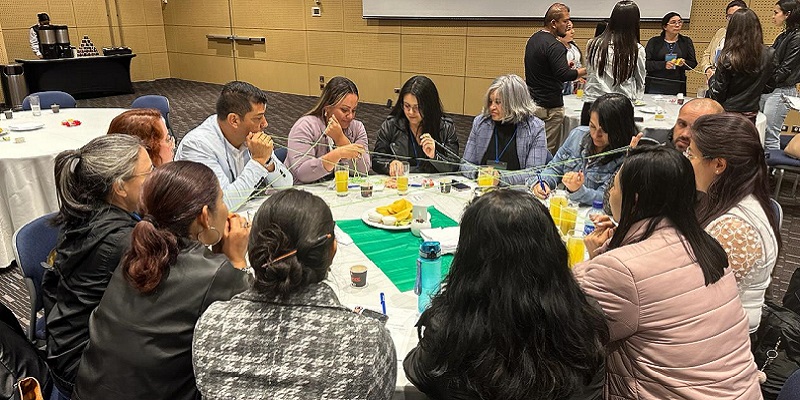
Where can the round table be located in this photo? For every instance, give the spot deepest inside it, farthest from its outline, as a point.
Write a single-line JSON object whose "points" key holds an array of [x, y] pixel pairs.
{"points": [[27, 181]]}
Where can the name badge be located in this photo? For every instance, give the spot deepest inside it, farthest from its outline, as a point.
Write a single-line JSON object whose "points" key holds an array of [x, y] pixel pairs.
{"points": [[497, 164], [670, 57]]}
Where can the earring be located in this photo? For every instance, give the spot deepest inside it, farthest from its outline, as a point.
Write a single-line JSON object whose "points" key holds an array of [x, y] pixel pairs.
{"points": [[219, 237]]}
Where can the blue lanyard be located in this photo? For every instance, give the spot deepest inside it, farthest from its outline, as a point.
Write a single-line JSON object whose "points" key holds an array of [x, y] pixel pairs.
{"points": [[413, 143], [497, 144]]}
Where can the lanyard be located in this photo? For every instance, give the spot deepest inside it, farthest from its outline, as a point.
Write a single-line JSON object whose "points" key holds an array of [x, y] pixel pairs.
{"points": [[497, 144], [413, 142], [670, 47]]}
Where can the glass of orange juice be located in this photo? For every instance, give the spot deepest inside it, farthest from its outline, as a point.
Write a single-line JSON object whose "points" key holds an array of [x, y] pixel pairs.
{"points": [[486, 177], [557, 201], [576, 249], [579, 90], [402, 179], [341, 176], [569, 214]]}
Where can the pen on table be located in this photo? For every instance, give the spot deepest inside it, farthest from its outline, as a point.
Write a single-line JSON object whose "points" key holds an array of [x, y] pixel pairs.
{"points": [[383, 303]]}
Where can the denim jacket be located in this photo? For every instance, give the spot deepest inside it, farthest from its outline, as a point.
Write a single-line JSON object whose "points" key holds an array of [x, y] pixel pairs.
{"points": [[569, 158], [531, 148]]}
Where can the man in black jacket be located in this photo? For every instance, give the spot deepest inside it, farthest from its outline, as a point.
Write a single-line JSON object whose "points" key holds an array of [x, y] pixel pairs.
{"points": [[546, 68]]}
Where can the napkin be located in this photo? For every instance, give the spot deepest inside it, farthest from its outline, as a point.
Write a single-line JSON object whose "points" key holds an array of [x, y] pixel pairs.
{"points": [[341, 237], [447, 237]]}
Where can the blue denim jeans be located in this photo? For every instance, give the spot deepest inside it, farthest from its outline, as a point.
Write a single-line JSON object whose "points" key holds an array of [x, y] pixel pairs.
{"points": [[775, 110]]}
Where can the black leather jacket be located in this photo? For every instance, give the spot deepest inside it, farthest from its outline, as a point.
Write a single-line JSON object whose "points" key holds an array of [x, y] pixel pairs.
{"points": [[18, 358], [787, 60], [740, 92], [393, 139], [141, 344], [86, 256]]}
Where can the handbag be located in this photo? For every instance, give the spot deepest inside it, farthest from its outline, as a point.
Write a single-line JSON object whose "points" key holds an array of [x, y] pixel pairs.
{"points": [[28, 389], [777, 347]]}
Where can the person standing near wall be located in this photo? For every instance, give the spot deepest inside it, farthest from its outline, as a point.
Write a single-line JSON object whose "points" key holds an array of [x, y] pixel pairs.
{"points": [[546, 68], [44, 19], [787, 70]]}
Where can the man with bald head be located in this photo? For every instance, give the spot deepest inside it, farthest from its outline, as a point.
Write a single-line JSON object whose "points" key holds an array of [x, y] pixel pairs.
{"points": [[682, 131]]}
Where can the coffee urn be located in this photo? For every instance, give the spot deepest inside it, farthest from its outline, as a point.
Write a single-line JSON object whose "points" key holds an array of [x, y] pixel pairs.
{"points": [[62, 40], [48, 45]]}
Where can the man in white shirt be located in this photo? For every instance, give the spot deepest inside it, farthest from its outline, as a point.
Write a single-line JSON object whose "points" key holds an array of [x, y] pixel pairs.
{"points": [[232, 143], [44, 19]]}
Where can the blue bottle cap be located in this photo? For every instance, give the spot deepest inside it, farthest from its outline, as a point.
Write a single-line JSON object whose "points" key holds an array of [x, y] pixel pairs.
{"points": [[430, 250], [597, 204]]}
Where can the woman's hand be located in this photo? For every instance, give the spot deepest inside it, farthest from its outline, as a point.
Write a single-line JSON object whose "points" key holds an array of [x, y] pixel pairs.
{"points": [[428, 145], [635, 140], [234, 240], [350, 151], [573, 180], [597, 239], [539, 192], [670, 64], [395, 167], [334, 129]]}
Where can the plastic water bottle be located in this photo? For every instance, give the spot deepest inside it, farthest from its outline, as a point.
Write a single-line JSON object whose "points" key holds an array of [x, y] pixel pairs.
{"points": [[597, 209], [429, 273]]}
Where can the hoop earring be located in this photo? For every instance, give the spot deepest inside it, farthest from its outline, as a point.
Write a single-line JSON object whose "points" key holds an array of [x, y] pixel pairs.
{"points": [[219, 237]]}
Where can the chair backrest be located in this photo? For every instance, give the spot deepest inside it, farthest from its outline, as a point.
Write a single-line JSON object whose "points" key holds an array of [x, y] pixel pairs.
{"points": [[160, 103], [32, 244], [281, 153], [47, 99], [791, 388], [776, 207]]}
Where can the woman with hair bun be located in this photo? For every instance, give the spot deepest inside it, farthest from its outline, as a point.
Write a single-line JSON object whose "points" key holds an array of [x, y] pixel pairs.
{"points": [[141, 333], [288, 337]]}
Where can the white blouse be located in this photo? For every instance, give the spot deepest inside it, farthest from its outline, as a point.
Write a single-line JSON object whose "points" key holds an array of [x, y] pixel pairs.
{"points": [[597, 85], [748, 239]]}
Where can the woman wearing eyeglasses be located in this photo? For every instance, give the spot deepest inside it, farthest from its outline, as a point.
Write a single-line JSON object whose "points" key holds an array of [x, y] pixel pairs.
{"points": [[669, 55], [147, 124], [329, 134], [417, 131]]}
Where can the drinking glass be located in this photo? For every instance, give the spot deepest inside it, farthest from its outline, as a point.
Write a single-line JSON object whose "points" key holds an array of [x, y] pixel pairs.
{"points": [[576, 250], [579, 90], [485, 177], [341, 176], [569, 214], [557, 202], [36, 105], [402, 179]]}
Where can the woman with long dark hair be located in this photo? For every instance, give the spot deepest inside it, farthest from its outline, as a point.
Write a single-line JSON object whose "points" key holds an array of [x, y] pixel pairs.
{"points": [[506, 135], [140, 343], [580, 164], [783, 82], [671, 304], [511, 322], [148, 125], [417, 131], [743, 67], [328, 135], [98, 189], [669, 56], [730, 169], [616, 60], [288, 336]]}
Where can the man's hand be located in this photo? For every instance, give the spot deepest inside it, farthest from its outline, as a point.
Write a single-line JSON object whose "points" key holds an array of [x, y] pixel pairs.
{"points": [[260, 145]]}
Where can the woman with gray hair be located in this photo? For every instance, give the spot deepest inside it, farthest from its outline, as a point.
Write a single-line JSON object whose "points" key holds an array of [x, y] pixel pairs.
{"points": [[98, 190], [506, 137]]}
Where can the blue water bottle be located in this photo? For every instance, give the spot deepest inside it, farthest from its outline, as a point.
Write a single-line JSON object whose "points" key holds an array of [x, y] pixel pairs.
{"points": [[597, 209], [429, 273]]}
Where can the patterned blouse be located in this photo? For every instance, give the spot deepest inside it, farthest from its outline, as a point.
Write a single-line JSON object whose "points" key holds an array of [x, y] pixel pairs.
{"points": [[309, 346]]}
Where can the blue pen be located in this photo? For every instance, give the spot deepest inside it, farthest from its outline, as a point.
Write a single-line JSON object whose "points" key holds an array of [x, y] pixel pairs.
{"points": [[383, 303], [415, 185], [541, 182]]}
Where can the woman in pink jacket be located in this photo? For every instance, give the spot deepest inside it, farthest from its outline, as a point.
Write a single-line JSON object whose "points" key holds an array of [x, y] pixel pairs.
{"points": [[676, 324]]}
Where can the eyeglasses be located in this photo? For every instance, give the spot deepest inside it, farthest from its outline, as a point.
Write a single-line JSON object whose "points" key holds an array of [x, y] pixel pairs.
{"points": [[148, 172], [691, 156], [409, 107], [675, 23]]}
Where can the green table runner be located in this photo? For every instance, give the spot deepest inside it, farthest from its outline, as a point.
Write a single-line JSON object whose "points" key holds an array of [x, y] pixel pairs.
{"points": [[395, 252]]}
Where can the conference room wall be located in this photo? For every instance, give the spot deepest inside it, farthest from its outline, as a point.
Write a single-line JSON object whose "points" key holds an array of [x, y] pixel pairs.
{"points": [[137, 24], [462, 57]]}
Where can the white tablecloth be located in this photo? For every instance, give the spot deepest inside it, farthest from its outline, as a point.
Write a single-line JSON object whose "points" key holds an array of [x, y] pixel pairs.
{"points": [[657, 129], [401, 306], [27, 186]]}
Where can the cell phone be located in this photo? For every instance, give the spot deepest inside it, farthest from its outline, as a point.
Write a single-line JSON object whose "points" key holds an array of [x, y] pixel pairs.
{"points": [[460, 186], [372, 314]]}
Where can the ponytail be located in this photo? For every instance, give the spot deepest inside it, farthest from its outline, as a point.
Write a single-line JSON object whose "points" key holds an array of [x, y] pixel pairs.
{"points": [[152, 251], [68, 187]]}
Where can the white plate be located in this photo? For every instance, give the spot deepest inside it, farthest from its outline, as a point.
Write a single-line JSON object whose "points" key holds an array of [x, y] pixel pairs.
{"points": [[647, 110], [365, 219], [26, 126]]}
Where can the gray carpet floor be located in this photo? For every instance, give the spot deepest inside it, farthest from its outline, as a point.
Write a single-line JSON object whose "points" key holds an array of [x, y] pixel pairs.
{"points": [[192, 102]]}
